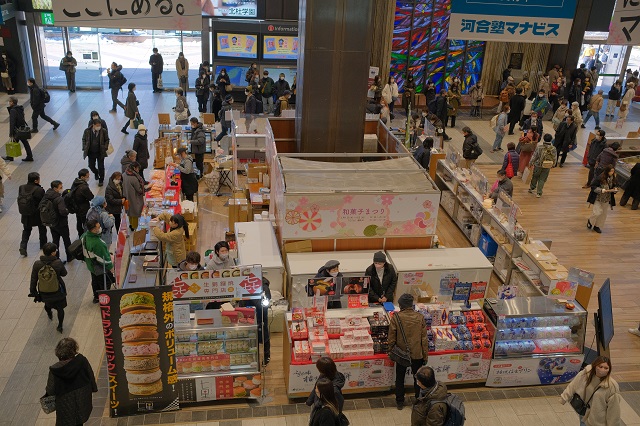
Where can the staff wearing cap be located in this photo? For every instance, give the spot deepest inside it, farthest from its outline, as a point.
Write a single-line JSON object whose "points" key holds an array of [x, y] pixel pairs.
{"points": [[383, 279], [331, 269]]}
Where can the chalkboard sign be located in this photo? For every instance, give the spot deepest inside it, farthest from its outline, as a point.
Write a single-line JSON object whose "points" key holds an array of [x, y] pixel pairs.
{"points": [[516, 61]]}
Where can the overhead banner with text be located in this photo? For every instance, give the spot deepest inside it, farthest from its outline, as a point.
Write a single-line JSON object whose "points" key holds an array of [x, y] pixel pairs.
{"points": [[624, 23], [141, 14], [528, 21]]}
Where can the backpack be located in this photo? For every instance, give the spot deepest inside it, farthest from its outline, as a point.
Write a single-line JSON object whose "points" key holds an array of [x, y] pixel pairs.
{"points": [[26, 206], [45, 96], [122, 80], [68, 196], [76, 250], [259, 106], [504, 96], [455, 410], [267, 89], [48, 280], [476, 149], [277, 111], [548, 157], [48, 213], [494, 121]]}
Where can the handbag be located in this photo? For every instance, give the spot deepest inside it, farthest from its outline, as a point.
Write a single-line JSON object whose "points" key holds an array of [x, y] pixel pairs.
{"points": [[4, 74], [509, 169], [397, 355], [13, 148], [48, 403], [160, 84], [23, 133], [137, 121], [578, 403], [228, 87]]}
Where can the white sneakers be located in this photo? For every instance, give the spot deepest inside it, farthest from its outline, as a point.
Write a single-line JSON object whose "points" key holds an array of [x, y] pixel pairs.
{"points": [[634, 331]]}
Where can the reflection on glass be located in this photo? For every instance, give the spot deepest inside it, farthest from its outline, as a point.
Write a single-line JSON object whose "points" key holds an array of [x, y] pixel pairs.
{"points": [[85, 46], [52, 51]]}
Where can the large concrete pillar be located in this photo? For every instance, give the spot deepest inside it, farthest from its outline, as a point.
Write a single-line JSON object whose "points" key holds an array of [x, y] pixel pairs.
{"points": [[333, 66], [567, 55]]}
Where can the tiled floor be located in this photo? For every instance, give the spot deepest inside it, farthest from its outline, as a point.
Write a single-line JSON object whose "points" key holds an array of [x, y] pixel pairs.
{"points": [[27, 338]]}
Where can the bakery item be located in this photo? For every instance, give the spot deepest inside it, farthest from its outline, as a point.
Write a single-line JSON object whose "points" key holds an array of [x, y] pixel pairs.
{"points": [[140, 317], [239, 392], [140, 349], [144, 389], [141, 363], [249, 385], [139, 300], [256, 392], [144, 377], [257, 379], [136, 334]]}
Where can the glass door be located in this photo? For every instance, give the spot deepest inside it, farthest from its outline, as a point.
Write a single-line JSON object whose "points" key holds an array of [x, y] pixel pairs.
{"points": [[169, 45], [52, 47], [85, 45], [608, 59]]}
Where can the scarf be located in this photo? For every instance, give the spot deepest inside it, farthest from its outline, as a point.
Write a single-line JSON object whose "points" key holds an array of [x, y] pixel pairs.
{"points": [[131, 172]]}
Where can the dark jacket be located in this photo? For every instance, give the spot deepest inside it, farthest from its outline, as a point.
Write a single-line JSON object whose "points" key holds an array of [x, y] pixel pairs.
{"points": [[102, 122], [82, 196], [385, 288], [72, 382], [515, 160], [61, 271], [36, 97], [615, 94], [141, 147], [323, 273], [505, 185], [103, 142], [58, 204], [595, 149], [538, 127], [125, 162], [281, 86], [131, 106], [427, 410], [469, 147], [198, 140], [323, 417], [414, 328], [517, 104], [37, 194], [115, 78], [608, 157], [338, 384], [16, 119], [226, 106], [633, 184], [595, 184], [441, 108], [202, 86], [565, 136], [251, 105], [423, 156], [156, 63], [263, 83], [222, 81], [114, 197], [133, 191], [8, 67]]}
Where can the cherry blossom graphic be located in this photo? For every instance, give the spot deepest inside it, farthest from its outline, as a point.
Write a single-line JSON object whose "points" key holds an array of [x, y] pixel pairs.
{"points": [[303, 201], [427, 204], [387, 199], [388, 224], [310, 221], [347, 199], [314, 208]]}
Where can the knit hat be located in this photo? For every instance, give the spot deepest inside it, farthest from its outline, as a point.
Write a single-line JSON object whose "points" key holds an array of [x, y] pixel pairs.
{"points": [[379, 257], [141, 127], [98, 200], [331, 264], [405, 301]]}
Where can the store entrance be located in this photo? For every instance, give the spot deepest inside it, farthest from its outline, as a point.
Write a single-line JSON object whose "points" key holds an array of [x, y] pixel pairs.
{"points": [[608, 59]]}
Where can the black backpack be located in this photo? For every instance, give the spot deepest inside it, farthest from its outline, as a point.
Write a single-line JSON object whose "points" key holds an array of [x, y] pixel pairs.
{"points": [[455, 410], [277, 111], [45, 96], [26, 206], [122, 80], [259, 106], [48, 213], [76, 250], [70, 200]]}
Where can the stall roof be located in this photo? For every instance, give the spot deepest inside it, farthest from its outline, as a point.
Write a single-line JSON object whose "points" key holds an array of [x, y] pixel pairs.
{"points": [[395, 175]]}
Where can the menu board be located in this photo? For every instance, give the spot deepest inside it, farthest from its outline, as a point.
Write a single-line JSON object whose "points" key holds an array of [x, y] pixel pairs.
{"points": [[280, 47], [241, 282], [234, 45]]}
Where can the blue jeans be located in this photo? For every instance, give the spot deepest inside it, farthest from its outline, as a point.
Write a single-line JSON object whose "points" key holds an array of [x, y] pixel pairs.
{"points": [[595, 115], [497, 144], [581, 422]]}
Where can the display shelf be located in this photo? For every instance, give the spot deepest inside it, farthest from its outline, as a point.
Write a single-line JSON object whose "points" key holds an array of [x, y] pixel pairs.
{"points": [[446, 183], [233, 327], [502, 276], [219, 373]]}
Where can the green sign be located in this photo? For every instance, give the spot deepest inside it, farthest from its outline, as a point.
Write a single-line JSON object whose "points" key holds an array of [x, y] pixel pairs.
{"points": [[47, 18]]}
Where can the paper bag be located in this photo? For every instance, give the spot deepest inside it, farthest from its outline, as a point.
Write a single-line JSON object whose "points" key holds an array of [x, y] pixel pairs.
{"points": [[139, 237], [527, 175]]}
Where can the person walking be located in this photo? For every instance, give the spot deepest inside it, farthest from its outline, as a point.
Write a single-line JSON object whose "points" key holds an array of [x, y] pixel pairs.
{"points": [[441, 107], [182, 69], [54, 215], [281, 85], [608, 157], [95, 143], [601, 393], [47, 285], [598, 144], [130, 156], [409, 96], [597, 101], [632, 189], [198, 143], [116, 81], [225, 123], [516, 108], [565, 138], [181, 110], [115, 198], [97, 258], [133, 191], [68, 64], [7, 73], [215, 102], [3, 170], [141, 149], [202, 91], [174, 238], [17, 121], [544, 84], [250, 107], [557, 94], [383, 279], [513, 158], [407, 331], [29, 197], [96, 116], [527, 145], [540, 104], [627, 99], [454, 98], [430, 408], [72, 382], [37, 100], [98, 211], [561, 113], [470, 148], [501, 127], [82, 196], [267, 87], [222, 81], [328, 370], [603, 189], [187, 174], [544, 158], [130, 108], [613, 99], [157, 66], [476, 94], [390, 94], [327, 412]]}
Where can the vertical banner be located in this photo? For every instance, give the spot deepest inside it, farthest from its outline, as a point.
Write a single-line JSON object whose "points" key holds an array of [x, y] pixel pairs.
{"points": [[624, 23], [140, 347], [529, 21]]}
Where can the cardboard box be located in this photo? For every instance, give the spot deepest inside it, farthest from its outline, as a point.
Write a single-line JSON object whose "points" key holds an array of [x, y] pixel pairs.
{"points": [[238, 212]]}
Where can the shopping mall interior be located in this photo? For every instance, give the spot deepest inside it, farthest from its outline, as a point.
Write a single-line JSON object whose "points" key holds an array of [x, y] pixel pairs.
{"points": [[331, 177]]}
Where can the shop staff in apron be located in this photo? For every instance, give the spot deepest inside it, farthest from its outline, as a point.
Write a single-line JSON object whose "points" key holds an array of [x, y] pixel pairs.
{"points": [[331, 269], [383, 279]]}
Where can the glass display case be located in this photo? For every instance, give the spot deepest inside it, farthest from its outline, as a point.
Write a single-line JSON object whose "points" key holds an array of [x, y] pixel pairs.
{"points": [[623, 168]]}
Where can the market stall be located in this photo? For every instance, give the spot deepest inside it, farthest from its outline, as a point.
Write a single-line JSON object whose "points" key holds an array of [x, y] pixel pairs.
{"points": [[257, 244]]}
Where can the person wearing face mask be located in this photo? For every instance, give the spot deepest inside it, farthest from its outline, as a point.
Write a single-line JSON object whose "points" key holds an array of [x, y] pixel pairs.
{"points": [[248, 77], [96, 116], [409, 95], [115, 199], [540, 104], [98, 211], [603, 189], [390, 94], [133, 190], [267, 86], [215, 102], [222, 81], [331, 269], [157, 66], [16, 121], [596, 387], [82, 197], [131, 108], [95, 142], [141, 147], [191, 262], [561, 113], [383, 279], [198, 143], [116, 81], [477, 96], [182, 69], [281, 86], [225, 122], [502, 183], [54, 214], [36, 99], [97, 258], [181, 110], [598, 144], [187, 174], [8, 73], [68, 64], [174, 238], [202, 91], [219, 258]]}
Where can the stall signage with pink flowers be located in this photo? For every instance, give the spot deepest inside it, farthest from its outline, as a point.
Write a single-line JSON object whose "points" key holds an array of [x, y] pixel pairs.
{"points": [[360, 215]]}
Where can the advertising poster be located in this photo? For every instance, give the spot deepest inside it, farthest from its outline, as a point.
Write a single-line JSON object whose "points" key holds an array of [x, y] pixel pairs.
{"points": [[448, 280], [534, 371], [236, 45], [140, 347], [530, 21], [322, 286], [280, 47], [241, 282], [461, 291], [357, 215], [458, 367], [624, 24], [373, 71], [230, 8], [354, 285]]}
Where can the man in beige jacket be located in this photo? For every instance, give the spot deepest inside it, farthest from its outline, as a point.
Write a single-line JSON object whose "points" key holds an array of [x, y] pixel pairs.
{"points": [[597, 101]]}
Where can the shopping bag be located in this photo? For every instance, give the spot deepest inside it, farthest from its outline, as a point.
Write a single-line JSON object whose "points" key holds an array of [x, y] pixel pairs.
{"points": [[527, 175], [527, 107], [137, 122], [160, 84], [109, 149], [14, 149], [228, 88], [23, 133]]}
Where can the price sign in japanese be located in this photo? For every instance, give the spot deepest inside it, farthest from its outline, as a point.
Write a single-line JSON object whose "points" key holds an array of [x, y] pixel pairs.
{"points": [[624, 23], [531, 21], [144, 14], [243, 282]]}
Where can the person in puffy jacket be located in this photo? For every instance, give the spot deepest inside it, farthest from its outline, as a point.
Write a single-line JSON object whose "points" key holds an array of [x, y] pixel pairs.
{"points": [[53, 300], [29, 214], [202, 91], [390, 94], [115, 198], [141, 148], [513, 156], [470, 148], [328, 370], [608, 157], [220, 258], [95, 143], [174, 238], [430, 408], [198, 143], [116, 81], [614, 96], [60, 229], [598, 144], [383, 279], [82, 196], [133, 190], [98, 211], [16, 120], [632, 189]]}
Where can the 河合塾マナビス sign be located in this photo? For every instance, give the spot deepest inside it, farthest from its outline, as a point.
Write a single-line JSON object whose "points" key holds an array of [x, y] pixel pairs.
{"points": [[530, 21]]}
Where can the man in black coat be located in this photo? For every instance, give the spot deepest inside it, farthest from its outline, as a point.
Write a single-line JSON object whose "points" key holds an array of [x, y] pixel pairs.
{"points": [[517, 104], [116, 81], [198, 143], [29, 197], [157, 65], [565, 138], [60, 229], [598, 144], [16, 120], [442, 110], [52, 300], [383, 279], [82, 196], [95, 142], [36, 96], [470, 148]]}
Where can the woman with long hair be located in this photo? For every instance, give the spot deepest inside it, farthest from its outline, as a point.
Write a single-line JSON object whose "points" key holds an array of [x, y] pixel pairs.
{"points": [[328, 370], [328, 412], [599, 391], [174, 238], [603, 188], [115, 198]]}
